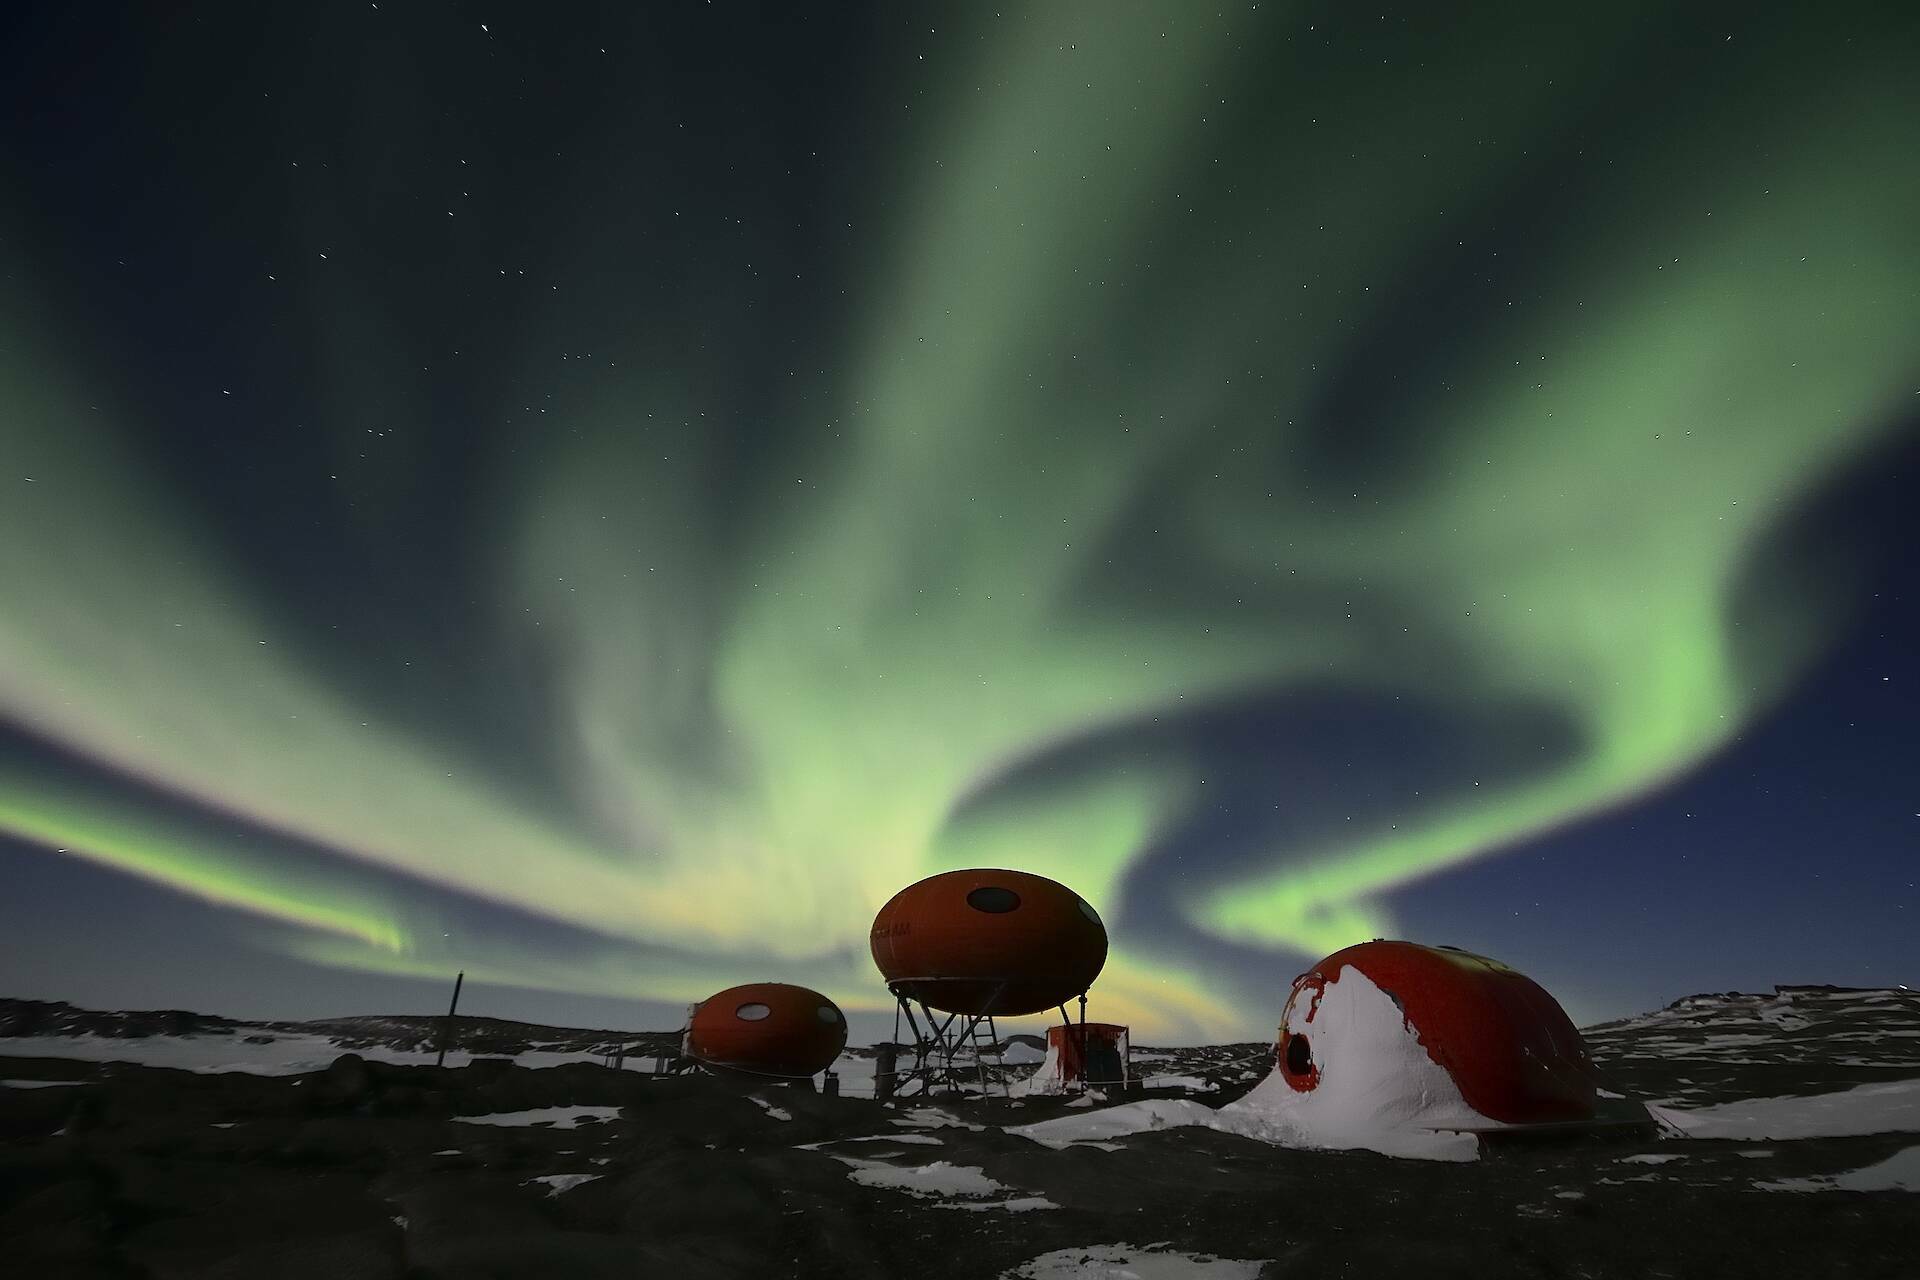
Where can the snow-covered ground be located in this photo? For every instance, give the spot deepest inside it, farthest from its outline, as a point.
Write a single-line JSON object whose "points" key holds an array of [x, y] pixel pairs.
{"points": [[1893, 1107], [951, 1186], [778, 1113], [281, 1055], [1132, 1262], [556, 1117], [284, 1052], [1792, 1025], [555, 1183], [1018, 1204], [938, 1178], [1898, 1172], [901, 1139], [1199, 1199], [1379, 1090]]}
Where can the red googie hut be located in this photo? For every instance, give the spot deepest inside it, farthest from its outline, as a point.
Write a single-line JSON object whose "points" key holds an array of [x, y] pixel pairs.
{"points": [[767, 1028], [989, 942]]}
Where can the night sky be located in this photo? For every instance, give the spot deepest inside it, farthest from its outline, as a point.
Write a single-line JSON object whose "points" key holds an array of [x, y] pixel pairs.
{"points": [[602, 497]]}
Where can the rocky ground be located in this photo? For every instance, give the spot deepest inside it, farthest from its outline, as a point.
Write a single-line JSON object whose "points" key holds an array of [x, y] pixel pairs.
{"points": [[370, 1169], [400, 1033]]}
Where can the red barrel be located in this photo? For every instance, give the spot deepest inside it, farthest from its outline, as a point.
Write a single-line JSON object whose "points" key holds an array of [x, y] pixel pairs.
{"points": [[1509, 1046], [989, 941], [767, 1028]]}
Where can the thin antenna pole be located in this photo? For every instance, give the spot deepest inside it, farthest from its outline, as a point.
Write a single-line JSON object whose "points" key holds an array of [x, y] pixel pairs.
{"points": [[446, 1028]]}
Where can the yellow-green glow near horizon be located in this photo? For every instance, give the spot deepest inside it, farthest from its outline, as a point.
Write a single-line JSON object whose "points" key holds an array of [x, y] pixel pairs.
{"points": [[1105, 280], [89, 826]]}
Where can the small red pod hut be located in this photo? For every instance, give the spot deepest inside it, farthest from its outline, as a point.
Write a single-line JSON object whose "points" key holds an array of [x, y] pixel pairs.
{"points": [[1094, 1052], [1508, 1046], [767, 1028], [988, 941]]}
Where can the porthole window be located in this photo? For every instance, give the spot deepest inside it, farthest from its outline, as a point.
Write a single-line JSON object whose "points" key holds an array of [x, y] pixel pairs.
{"points": [[1299, 1055], [751, 1012], [993, 899], [828, 1013], [1086, 909]]}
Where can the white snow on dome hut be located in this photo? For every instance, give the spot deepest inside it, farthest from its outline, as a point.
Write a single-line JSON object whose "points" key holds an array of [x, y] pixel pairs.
{"points": [[1378, 1089]]}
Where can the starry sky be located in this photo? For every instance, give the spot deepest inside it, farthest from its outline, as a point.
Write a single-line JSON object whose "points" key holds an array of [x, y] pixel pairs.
{"points": [[599, 497]]}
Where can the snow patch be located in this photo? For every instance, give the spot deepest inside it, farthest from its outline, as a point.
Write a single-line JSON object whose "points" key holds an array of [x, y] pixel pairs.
{"points": [[1889, 1107], [1118, 1122], [931, 1118], [1045, 1080], [38, 1084], [558, 1117], [776, 1112], [1898, 1172], [1020, 1204], [1131, 1262], [555, 1183], [904, 1139], [941, 1178]]}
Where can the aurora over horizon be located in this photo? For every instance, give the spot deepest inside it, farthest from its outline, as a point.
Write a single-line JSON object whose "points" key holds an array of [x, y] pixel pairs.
{"points": [[600, 501]]}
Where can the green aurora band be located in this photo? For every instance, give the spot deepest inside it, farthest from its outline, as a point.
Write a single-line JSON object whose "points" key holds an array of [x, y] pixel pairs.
{"points": [[1122, 250]]}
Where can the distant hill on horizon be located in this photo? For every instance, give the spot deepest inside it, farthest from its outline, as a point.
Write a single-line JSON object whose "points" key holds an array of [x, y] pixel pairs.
{"points": [[411, 1032]]}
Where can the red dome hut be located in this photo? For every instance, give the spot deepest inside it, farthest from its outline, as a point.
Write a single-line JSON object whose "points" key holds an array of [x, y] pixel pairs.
{"points": [[1507, 1045], [989, 942], [767, 1028]]}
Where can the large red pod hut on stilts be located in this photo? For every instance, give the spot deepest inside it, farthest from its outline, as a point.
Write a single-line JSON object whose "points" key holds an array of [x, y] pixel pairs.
{"points": [[1508, 1046], [989, 942], [768, 1029]]}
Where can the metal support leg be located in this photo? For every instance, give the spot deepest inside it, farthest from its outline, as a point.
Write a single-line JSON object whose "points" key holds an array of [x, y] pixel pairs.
{"points": [[1083, 1043]]}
